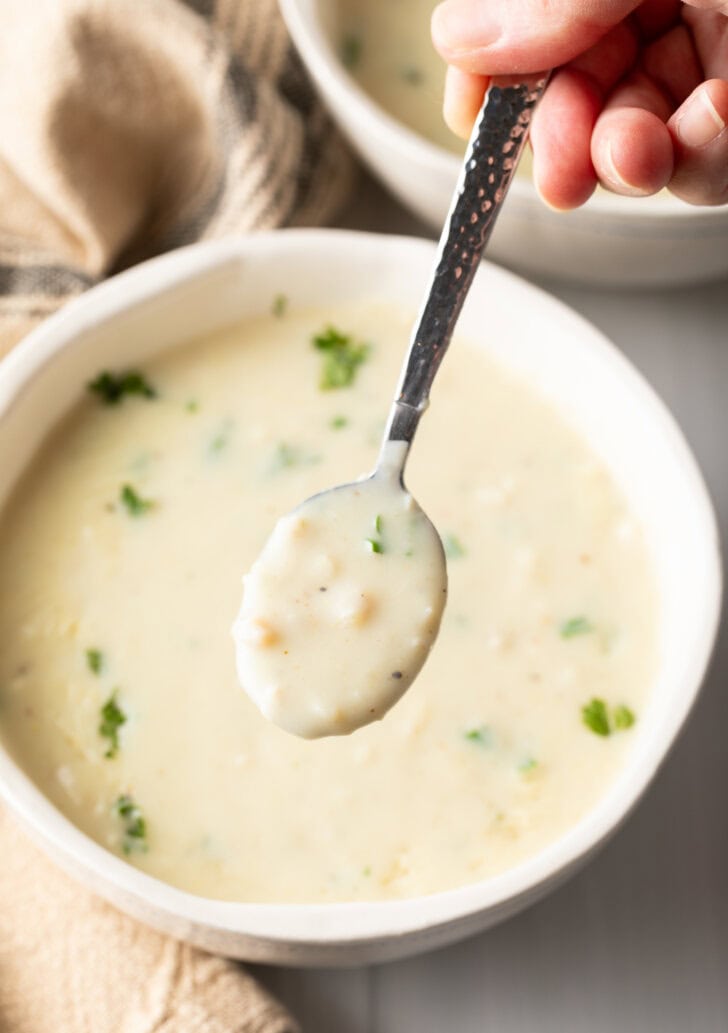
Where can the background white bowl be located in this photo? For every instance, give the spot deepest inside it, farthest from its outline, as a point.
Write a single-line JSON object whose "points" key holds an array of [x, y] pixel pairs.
{"points": [[196, 290], [610, 241]]}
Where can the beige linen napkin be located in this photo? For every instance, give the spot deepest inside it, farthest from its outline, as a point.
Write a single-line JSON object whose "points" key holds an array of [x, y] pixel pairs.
{"points": [[131, 126], [128, 127], [70, 963]]}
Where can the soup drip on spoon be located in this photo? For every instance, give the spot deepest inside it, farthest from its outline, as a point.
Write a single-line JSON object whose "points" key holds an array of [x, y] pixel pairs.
{"points": [[343, 605]]}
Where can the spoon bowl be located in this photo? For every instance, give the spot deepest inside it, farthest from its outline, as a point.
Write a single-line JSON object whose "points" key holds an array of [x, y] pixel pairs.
{"points": [[362, 571]]}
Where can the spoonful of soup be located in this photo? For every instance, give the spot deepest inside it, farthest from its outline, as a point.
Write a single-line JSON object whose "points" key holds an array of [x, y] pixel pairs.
{"points": [[343, 605]]}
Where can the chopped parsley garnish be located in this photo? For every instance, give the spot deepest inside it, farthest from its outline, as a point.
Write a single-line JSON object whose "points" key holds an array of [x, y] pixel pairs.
{"points": [[134, 503], [413, 76], [286, 456], [375, 544], [527, 765], [192, 405], [481, 735], [279, 306], [595, 716], [453, 547], [221, 439], [576, 626], [94, 660], [112, 718], [366, 872], [135, 826], [112, 388], [338, 422], [341, 356], [623, 718], [351, 51]]}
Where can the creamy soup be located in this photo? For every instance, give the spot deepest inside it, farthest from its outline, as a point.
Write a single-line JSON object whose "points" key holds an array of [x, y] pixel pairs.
{"points": [[342, 607], [387, 47], [122, 551]]}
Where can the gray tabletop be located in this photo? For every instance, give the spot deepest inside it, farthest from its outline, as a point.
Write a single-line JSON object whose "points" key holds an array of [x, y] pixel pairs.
{"points": [[638, 941]]}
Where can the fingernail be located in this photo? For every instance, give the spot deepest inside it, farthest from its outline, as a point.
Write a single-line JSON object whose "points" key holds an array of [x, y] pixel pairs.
{"points": [[452, 112], [699, 123], [614, 177], [464, 25]]}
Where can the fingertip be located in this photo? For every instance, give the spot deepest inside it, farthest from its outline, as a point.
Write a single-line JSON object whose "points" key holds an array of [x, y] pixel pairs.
{"points": [[462, 101], [700, 134], [562, 169], [562, 195], [703, 115], [632, 152]]}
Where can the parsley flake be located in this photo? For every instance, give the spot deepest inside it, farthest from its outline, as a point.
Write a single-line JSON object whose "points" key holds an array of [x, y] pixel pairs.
{"points": [[94, 660], [576, 626], [351, 51], [286, 457], [341, 357], [222, 438], [338, 422], [623, 718], [482, 735], [595, 716], [135, 505], [375, 544], [279, 306], [135, 825], [112, 718], [413, 76], [112, 388], [453, 547]]}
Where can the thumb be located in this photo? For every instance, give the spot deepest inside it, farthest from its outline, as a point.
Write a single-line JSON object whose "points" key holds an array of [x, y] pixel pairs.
{"points": [[490, 37]]}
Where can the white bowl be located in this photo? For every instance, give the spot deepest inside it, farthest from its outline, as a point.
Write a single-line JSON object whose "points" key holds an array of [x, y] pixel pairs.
{"points": [[190, 292], [610, 241]]}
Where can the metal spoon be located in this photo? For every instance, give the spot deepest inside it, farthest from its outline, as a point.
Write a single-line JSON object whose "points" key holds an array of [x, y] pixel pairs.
{"points": [[296, 677], [495, 148]]}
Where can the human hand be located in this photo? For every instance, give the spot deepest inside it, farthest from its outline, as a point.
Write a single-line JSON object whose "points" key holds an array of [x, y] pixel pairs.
{"points": [[639, 101]]}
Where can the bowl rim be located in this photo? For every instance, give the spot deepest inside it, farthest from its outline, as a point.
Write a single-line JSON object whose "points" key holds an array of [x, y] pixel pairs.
{"points": [[350, 922], [317, 52]]}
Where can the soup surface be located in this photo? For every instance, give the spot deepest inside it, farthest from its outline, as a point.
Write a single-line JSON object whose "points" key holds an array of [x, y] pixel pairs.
{"points": [[387, 47], [122, 553]]}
